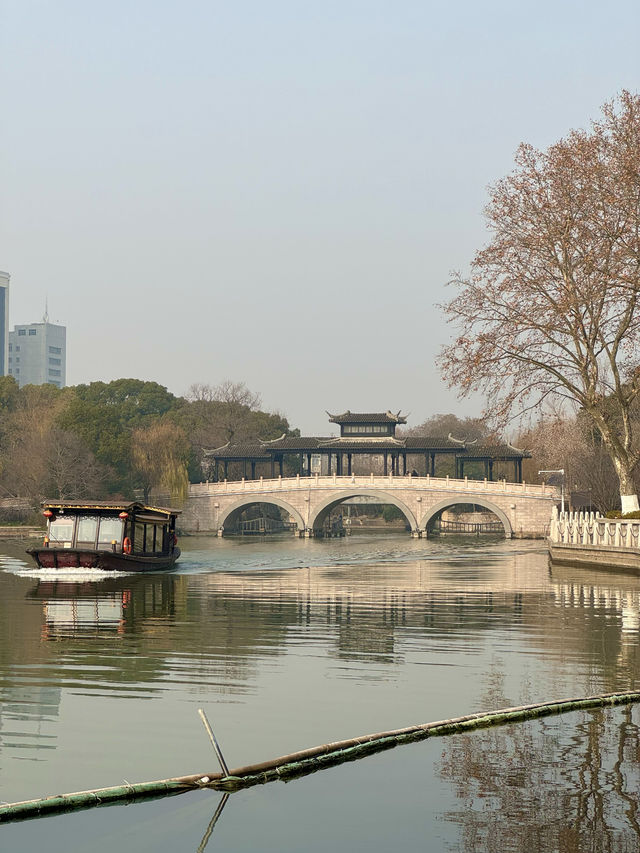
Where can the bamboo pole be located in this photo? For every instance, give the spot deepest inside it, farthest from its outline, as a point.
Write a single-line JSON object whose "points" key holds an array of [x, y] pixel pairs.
{"points": [[214, 742], [308, 760]]}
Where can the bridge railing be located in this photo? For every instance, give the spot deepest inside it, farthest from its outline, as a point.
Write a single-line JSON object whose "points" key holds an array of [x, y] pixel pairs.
{"points": [[588, 528], [388, 482]]}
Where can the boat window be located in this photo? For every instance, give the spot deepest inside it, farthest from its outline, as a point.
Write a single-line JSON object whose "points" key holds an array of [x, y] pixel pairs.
{"points": [[138, 538], [61, 531], [110, 529], [87, 530], [152, 539]]}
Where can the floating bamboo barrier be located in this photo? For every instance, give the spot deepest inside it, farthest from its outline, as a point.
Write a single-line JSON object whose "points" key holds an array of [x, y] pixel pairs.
{"points": [[307, 760]]}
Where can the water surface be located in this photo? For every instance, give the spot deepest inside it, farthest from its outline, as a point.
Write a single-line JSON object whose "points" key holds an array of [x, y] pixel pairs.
{"points": [[288, 643]]}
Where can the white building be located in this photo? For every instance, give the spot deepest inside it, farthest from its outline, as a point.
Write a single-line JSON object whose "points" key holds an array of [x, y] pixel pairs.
{"points": [[38, 354], [4, 322]]}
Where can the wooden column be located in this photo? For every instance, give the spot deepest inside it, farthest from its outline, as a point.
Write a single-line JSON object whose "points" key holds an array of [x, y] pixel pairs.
{"points": [[226, 470], [308, 464], [433, 464], [244, 468], [280, 464], [253, 470], [385, 469], [491, 469], [329, 463], [216, 471], [273, 468], [349, 465]]}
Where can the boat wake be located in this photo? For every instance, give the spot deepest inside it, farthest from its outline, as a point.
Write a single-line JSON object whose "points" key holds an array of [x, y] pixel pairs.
{"points": [[73, 575]]}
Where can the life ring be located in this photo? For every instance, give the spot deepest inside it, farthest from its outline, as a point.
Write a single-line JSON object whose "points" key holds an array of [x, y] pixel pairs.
{"points": [[126, 545]]}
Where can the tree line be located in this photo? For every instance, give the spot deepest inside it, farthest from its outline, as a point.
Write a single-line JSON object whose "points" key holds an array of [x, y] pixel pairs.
{"points": [[111, 439], [114, 439]]}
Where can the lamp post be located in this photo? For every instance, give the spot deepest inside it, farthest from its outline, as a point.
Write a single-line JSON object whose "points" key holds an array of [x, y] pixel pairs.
{"points": [[558, 471]]}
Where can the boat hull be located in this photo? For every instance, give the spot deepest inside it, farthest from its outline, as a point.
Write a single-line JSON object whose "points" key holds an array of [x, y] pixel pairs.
{"points": [[72, 558]]}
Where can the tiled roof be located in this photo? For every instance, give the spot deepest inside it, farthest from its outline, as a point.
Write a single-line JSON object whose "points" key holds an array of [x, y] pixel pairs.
{"points": [[315, 444], [496, 451], [367, 418], [243, 450]]}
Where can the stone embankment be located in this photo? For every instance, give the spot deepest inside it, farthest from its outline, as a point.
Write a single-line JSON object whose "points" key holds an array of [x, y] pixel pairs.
{"points": [[588, 539], [20, 531]]}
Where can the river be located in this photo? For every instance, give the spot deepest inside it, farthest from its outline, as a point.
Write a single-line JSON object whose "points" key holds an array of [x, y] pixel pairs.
{"points": [[289, 643]]}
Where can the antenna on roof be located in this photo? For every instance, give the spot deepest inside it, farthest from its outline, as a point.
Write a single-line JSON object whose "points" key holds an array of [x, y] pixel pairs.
{"points": [[45, 316]]}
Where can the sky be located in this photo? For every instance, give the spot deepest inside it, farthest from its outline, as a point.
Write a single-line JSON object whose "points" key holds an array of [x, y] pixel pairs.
{"points": [[276, 193]]}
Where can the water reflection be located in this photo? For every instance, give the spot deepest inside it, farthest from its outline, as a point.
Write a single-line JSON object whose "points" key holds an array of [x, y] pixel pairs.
{"points": [[374, 613], [26, 714], [568, 784], [75, 608], [606, 607]]}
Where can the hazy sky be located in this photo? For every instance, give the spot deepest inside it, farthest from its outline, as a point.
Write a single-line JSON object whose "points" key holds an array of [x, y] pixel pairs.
{"points": [[275, 192]]}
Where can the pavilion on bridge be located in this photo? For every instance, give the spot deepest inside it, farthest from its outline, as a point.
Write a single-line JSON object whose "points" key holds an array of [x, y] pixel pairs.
{"points": [[367, 444]]}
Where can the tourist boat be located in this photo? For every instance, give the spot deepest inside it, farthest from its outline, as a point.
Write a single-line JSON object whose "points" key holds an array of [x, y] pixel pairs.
{"points": [[113, 535]]}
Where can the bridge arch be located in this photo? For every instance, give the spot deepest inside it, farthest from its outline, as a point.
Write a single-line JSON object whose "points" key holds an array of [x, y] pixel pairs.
{"points": [[250, 501], [478, 501], [320, 511]]}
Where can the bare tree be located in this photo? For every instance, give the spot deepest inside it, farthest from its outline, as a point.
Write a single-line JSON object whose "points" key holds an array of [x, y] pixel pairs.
{"points": [[160, 455], [72, 470], [234, 393], [551, 307], [566, 442], [442, 425]]}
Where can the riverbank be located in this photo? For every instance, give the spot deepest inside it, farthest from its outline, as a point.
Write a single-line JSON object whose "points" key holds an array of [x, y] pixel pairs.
{"points": [[587, 539]]}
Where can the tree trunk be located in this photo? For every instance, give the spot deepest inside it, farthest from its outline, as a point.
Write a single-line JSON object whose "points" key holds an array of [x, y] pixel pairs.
{"points": [[628, 494]]}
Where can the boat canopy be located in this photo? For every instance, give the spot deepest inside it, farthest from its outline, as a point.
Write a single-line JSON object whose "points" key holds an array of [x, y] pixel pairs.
{"points": [[106, 507]]}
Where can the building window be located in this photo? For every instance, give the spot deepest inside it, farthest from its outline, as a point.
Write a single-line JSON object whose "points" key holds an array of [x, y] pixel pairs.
{"points": [[17, 370], [53, 382], [17, 347], [367, 429], [55, 350], [22, 332], [17, 358], [55, 361], [10, 347], [32, 331], [54, 372], [10, 359]]}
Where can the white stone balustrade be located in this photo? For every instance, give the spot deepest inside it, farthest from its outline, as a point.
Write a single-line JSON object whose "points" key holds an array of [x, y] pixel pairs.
{"points": [[591, 529]]}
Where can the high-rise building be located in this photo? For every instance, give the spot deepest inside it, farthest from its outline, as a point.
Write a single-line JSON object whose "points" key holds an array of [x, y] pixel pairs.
{"points": [[4, 322], [38, 354]]}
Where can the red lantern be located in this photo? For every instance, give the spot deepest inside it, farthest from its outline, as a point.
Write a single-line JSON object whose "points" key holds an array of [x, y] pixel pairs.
{"points": [[48, 513], [124, 515]]}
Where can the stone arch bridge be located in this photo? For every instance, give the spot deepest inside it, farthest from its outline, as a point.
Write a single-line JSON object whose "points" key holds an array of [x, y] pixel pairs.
{"points": [[523, 509]]}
